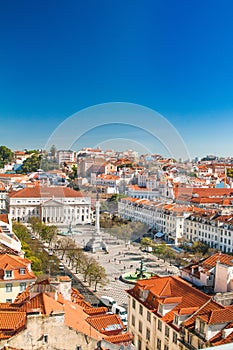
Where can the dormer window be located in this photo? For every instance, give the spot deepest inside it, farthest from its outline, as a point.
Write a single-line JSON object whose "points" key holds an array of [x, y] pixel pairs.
{"points": [[160, 309], [176, 320], [201, 326], [8, 273], [22, 271]]}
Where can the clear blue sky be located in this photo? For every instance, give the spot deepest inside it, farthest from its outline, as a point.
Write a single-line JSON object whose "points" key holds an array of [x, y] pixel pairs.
{"points": [[58, 57]]}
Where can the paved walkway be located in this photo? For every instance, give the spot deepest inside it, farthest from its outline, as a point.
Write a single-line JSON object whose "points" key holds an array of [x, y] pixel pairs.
{"points": [[120, 259]]}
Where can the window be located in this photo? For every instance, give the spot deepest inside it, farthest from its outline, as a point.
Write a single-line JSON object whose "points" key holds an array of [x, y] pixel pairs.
{"points": [[133, 320], [140, 326], [133, 304], [45, 338], [8, 273], [22, 271], [140, 309], [190, 337], [202, 327], [8, 287], [174, 338], [8, 300], [158, 344], [176, 319], [167, 331], [139, 344], [148, 316], [166, 347], [147, 334], [159, 325], [160, 309], [22, 286]]}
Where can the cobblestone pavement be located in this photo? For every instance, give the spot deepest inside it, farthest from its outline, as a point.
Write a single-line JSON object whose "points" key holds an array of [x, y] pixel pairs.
{"points": [[120, 259]]}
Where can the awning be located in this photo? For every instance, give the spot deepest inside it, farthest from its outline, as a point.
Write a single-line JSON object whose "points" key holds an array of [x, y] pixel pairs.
{"points": [[159, 234]]}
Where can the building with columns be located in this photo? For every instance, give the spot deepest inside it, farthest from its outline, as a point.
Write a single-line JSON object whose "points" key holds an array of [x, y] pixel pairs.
{"points": [[53, 205]]}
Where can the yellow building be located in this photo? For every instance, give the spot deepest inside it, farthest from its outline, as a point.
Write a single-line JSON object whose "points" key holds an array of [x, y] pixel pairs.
{"points": [[166, 313], [15, 276]]}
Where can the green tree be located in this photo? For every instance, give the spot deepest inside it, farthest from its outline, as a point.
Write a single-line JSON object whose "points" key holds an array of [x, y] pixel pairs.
{"points": [[6, 156], [53, 150], [21, 231], [36, 264], [97, 275], [87, 266], [229, 172], [31, 164], [36, 224], [147, 242], [48, 233]]}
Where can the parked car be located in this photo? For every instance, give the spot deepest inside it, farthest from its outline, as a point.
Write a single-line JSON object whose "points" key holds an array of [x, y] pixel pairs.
{"points": [[121, 312], [107, 301]]}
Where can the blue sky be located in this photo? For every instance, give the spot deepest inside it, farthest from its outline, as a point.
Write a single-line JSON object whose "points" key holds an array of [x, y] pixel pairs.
{"points": [[175, 57]]}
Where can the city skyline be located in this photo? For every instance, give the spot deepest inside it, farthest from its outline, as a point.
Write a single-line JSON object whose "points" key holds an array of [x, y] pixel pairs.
{"points": [[174, 58]]}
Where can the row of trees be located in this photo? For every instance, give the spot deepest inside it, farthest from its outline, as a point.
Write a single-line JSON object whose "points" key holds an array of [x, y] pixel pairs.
{"points": [[33, 250], [46, 234], [195, 251], [123, 229], [88, 267]]}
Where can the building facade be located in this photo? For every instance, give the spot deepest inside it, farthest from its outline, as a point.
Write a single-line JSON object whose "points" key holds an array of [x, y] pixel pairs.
{"points": [[166, 313], [53, 205], [15, 276]]}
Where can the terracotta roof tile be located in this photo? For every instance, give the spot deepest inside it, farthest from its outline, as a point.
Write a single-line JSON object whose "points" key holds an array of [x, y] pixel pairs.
{"points": [[4, 218], [12, 320], [15, 263], [95, 310], [109, 324], [120, 338], [218, 316], [45, 192]]}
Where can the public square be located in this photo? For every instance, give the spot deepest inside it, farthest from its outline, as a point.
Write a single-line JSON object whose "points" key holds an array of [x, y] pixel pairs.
{"points": [[121, 257]]}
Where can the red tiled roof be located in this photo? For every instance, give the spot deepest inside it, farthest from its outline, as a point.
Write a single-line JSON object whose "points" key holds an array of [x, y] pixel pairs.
{"points": [[218, 316], [222, 258], [4, 218], [171, 288], [12, 320], [109, 324], [45, 192], [95, 310], [182, 192], [120, 338], [43, 303], [15, 263]]}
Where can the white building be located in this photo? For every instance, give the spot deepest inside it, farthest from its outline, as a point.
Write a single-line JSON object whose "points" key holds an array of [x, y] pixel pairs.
{"points": [[166, 218], [216, 230], [53, 205], [64, 156], [7, 237]]}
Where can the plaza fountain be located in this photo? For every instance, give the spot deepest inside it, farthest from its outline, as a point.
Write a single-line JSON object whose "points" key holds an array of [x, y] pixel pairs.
{"points": [[139, 274], [69, 232]]}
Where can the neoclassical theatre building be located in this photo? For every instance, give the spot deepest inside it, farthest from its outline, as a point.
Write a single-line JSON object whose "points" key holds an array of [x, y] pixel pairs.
{"points": [[53, 205]]}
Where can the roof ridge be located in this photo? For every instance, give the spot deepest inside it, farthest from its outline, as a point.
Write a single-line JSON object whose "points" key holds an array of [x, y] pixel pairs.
{"points": [[165, 286], [199, 309]]}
